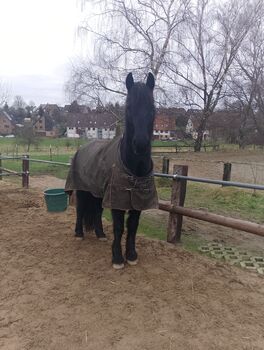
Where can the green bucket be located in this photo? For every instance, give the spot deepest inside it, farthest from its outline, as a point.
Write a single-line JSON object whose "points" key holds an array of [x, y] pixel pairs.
{"points": [[56, 199]]}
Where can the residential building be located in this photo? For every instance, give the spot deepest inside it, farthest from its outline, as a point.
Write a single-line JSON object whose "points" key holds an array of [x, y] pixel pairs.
{"points": [[6, 123], [44, 126], [193, 124], [93, 125], [166, 123]]}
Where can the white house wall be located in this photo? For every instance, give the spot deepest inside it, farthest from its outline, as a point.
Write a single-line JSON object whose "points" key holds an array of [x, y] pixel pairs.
{"points": [[72, 133], [162, 134], [94, 134]]}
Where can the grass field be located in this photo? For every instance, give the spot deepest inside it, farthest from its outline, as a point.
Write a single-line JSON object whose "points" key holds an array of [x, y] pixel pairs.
{"points": [[14, 145]]}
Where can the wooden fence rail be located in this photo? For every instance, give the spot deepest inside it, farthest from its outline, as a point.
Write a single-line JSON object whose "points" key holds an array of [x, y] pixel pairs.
{"points": [[237, 224]]}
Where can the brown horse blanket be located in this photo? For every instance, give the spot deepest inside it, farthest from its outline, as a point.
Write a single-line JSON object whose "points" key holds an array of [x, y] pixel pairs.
{"points": [[97, 168]]}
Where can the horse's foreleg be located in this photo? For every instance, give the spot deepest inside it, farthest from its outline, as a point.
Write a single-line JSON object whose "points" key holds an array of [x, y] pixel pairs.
{"points": [[132, 225], [98, 225], [80, 211], [118, 226]]}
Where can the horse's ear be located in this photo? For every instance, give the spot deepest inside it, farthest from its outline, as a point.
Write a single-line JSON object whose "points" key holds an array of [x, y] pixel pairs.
{"points": [[129, 81], [150, 81]]}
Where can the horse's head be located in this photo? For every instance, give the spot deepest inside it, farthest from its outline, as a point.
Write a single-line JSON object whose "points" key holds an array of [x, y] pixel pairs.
{"points": [[140, 113]]}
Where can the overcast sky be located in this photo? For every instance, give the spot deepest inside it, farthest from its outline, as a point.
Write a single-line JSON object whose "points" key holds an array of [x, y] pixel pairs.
{"points": [[38, 41]]}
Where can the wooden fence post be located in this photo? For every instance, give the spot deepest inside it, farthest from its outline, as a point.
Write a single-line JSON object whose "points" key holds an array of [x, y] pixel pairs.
{"points": [[1, 178], [25, 170], [50, 152], [165, 165], [227, 172], [177, 198]]}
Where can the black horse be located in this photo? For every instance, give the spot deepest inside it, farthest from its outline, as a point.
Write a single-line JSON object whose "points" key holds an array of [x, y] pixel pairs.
{"points": [[123, 168]]}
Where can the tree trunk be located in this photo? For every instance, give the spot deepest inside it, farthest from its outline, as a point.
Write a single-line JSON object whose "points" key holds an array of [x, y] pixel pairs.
{"points": [[198, 142]]}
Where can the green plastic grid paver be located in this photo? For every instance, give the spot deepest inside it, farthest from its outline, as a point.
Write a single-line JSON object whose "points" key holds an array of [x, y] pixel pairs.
{"points": [[260, 270], [217, 254], [258, 259], [250, 265], [204, 249]]}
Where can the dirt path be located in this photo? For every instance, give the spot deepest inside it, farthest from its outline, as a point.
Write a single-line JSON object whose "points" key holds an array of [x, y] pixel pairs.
{"points": [[58, 293]]}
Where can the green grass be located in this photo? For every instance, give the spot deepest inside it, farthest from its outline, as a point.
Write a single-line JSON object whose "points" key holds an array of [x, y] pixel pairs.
{"points": [[222, 200], [158, 143], [41, 168], [148, 226], [13, 146]]}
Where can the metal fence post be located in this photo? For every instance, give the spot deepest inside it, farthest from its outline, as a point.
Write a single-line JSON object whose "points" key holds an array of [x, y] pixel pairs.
{"points": [[1, 167], [25, 171], [177, 199]]}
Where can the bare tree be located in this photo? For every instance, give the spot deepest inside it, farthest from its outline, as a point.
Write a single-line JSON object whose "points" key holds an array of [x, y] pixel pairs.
{"points": [[246, 85], [251, 64], [27, 136], [131, 35], [207, 49], [4, 93], [19, 102]]}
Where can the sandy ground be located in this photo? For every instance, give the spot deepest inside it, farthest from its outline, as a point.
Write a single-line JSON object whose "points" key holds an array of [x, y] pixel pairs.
{"points": [[247, 166], [59, 293]]}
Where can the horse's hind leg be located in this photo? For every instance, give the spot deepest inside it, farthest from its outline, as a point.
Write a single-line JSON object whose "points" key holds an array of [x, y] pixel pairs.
{"points": [[132, 225], [98, 225], [80, 211]]}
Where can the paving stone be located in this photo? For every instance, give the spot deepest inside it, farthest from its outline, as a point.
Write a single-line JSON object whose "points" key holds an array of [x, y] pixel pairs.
{"points": [[216, 249], [258, 259], [229, 249], [245, 254], [204, 249], [260, 265], [260, 270], [246, 258], [250, 265], [230, 253], [214, 244], [217, 254], [233, 259]]}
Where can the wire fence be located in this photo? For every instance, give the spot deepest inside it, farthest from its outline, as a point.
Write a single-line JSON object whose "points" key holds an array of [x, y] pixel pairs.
{"points": [[256, 185]]}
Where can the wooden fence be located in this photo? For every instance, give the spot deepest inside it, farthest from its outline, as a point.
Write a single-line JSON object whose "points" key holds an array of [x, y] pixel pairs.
{"points": [[176, 207]]}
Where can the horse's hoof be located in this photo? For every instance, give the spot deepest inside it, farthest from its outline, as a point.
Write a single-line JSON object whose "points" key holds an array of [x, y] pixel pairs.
{"points": [[118, 266], [132, 263], [79, 238]]}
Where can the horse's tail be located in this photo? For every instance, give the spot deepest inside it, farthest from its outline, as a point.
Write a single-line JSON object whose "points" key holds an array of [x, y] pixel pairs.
{"points": [[91, 208]]}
